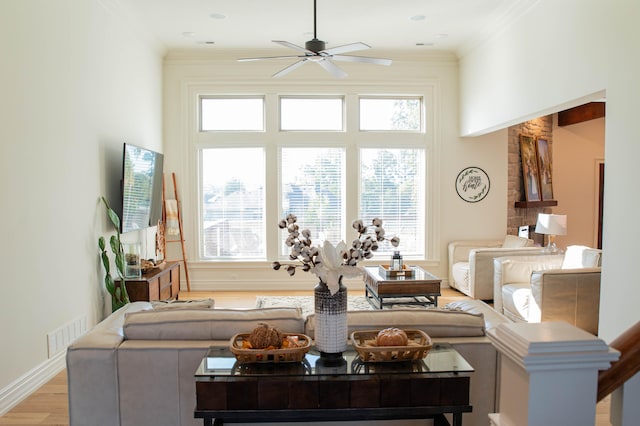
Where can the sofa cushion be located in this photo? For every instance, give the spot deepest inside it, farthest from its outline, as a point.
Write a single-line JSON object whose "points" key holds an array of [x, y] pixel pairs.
{"points": [[581, 257], [436, 322], [573, 257], [518, 303], [207, 324], [183, 304], [513, 241], [460, 276], [474, 306]]}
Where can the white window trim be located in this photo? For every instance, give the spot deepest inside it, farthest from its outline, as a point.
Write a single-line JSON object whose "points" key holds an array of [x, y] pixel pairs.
{"points": [[194, 140]]}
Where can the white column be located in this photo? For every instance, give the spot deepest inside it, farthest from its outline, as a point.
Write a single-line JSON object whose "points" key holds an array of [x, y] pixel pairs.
{"points": [[548, 374]]}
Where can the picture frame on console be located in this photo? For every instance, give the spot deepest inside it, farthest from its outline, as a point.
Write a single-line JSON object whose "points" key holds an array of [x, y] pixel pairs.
{"points": [[544, 167], [530, 171]]}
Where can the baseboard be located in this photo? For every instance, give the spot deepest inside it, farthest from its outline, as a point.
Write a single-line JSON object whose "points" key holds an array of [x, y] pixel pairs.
{"points": [[30, 382]]}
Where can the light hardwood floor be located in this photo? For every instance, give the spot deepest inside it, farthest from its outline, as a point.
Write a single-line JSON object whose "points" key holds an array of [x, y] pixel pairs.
{"points": [[48, 405]]}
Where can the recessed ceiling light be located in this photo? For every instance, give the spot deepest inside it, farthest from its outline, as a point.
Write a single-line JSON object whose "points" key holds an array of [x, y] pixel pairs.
{"points": [[424, 44], [218, 16], [418, 18], [442, 35], [206, 42], [188, 34]]}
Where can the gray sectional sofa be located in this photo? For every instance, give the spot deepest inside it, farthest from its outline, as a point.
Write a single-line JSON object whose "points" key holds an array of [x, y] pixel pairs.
{"points": [[137, 366]]}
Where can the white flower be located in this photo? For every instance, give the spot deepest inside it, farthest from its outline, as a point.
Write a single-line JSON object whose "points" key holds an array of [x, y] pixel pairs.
{"points": [[329, 263], [330, 266]]}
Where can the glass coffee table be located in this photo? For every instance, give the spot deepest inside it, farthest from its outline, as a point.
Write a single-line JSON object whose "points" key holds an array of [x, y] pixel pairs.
{"points": [[333, 389]]}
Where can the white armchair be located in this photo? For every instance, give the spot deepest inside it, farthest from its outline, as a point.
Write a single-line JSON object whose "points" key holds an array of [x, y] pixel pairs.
{"points": [[542, 288], [471, 262]]}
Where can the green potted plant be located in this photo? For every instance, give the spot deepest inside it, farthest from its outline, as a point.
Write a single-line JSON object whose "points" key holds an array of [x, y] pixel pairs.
{"points": [[119, 296]]}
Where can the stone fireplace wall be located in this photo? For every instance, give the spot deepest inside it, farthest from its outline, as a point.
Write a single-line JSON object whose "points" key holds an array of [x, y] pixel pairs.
{"points": [[516, 217]]}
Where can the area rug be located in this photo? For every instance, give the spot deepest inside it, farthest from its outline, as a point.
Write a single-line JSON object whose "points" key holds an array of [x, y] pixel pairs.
{"points": [[305, 303]]}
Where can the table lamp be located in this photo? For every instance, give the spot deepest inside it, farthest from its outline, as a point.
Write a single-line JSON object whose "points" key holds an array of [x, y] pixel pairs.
{"points": [[551, 225]]}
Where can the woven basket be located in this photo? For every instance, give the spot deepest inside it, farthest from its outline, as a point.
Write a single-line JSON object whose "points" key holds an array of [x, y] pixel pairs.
{"points": [[364, 342], [295, 354]]}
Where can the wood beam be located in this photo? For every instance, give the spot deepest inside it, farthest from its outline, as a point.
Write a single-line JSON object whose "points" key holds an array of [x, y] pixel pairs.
{"points": [[581, 113]]}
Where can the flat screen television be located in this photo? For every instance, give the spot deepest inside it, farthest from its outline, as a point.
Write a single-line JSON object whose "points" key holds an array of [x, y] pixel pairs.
{"points": [[141, 188]]}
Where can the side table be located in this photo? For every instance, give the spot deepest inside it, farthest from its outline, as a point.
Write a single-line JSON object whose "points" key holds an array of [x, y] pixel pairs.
{"points": [[162, 283]]}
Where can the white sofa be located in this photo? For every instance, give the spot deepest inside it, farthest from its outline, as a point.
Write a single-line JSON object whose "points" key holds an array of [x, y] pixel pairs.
{"points": [[550, 287], [471, 262], [137, 366]]}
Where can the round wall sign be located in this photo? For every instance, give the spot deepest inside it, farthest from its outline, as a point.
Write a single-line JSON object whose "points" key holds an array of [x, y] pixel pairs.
{"points": [[472, 184]]}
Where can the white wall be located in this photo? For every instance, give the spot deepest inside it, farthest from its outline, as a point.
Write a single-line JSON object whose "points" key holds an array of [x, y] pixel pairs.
{"points": [[188, 73], [577, 151], [589, 47], [76, 83], [549, 59]]}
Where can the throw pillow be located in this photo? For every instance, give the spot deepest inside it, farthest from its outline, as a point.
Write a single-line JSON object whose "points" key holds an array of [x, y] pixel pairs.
{"points": [[183, 304], [513, 241], [573, 257]]}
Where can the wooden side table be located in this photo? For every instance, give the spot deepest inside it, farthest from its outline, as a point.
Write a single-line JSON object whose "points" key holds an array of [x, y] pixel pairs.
{"points": [[162, 283], [422, 288]]}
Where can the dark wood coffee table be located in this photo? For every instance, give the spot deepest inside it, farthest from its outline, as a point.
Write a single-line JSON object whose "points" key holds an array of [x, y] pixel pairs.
{"points": [[421, 288], [342, 388]]}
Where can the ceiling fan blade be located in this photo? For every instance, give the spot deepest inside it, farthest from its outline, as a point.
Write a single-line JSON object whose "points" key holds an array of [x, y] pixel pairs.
{"points": [[288, 69], [351, 47], [293, 46], [365, 59], [268, 57], [333, 69]]}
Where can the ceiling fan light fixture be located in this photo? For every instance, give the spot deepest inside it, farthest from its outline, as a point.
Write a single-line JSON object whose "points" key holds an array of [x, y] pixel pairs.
{"points": [[315, 45], [315, 50]]}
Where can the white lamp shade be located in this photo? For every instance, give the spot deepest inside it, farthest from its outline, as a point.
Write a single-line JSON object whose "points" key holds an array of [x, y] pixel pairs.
{"points": [[551, 224]]}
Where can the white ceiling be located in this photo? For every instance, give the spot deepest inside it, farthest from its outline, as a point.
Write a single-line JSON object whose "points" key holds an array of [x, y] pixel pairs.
{"points": [[449, 25]]}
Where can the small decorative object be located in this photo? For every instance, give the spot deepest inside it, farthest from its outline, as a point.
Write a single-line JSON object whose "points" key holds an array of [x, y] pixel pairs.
{"points": [[530, 173], [386, 271], [551, 225], [264, 336], [292, 348], [417, 346], [392, 336], [396, 261], [330, 263], [544, 165], [331, 331], [472, 184], [133, 266]]}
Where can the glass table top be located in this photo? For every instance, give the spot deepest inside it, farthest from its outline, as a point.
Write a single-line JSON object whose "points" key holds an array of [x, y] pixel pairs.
{"points": [[442, 358]]}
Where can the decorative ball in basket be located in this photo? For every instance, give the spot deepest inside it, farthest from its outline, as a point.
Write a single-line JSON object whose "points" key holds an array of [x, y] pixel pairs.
{"points": [[391, 345], [267, 344]]}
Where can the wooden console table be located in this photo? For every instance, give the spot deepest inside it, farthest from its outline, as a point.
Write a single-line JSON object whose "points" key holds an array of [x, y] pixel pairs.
{"points": [[162, 283], [342, 388]]}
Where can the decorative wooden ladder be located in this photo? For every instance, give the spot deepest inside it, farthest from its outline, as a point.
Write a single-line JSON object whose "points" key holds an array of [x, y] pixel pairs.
{"points": [[180, 231]]}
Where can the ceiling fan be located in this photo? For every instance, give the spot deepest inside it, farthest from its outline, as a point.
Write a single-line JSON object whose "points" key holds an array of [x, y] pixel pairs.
{"points": [[315, 50]]}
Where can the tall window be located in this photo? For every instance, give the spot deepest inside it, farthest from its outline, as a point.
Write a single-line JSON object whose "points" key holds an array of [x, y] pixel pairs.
{"points": [[392, 188], [328, 159], [312, 186], [233, 210]]}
